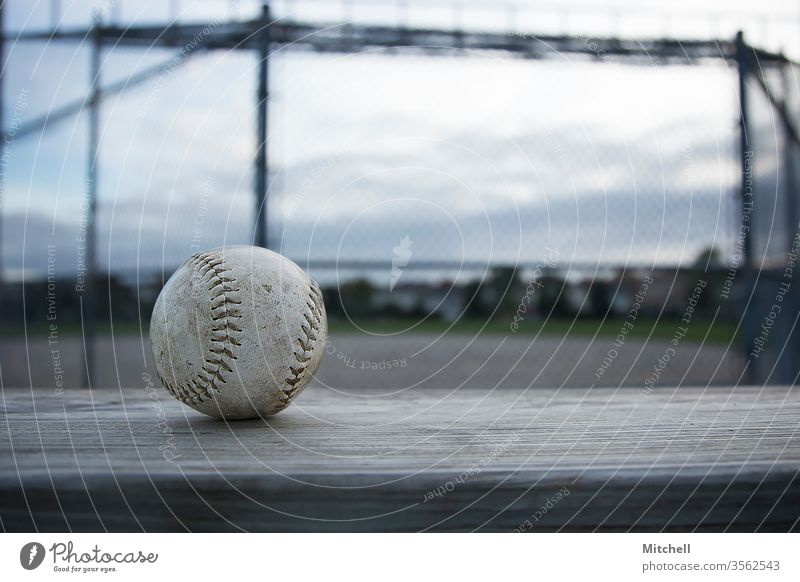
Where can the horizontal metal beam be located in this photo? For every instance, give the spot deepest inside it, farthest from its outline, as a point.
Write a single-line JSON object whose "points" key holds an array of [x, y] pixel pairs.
{"points": [[352, 38]]}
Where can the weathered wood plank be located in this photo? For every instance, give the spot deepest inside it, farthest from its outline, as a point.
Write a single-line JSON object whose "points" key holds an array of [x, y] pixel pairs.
{"points": [[678, 459]]}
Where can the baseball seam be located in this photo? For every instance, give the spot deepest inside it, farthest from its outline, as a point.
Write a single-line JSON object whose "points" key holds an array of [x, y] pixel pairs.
{"points": [[224, 313], [303, 353]]}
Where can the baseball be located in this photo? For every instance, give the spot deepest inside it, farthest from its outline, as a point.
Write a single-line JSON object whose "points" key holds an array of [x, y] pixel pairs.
{"points": [[237, 332]]}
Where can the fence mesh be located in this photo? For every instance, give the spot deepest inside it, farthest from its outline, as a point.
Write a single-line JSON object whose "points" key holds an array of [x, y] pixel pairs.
{"points": [[505, 172], [430, 188], [772, 308]]}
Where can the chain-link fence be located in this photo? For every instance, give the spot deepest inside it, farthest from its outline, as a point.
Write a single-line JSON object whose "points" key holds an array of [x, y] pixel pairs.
{"points": [[771, 217], [583, 186], [645, 178]]}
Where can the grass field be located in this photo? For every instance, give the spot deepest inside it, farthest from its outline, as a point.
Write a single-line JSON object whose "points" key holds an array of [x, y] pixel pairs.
{"points": [[719, 333]]}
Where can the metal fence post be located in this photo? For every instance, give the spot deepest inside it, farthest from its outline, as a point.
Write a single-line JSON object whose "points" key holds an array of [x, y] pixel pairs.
{"points": [[789, 176], [791, 361], [261, 171], [747, 297], [88, 299], [2, 125]]}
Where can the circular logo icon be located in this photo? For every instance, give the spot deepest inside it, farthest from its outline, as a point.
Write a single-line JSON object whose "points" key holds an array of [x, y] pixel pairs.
{"points": [[31, 555]]}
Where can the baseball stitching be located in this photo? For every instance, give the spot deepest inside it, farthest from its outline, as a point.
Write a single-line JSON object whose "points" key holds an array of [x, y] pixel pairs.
{"points": [[305, 344], [224, 313]]}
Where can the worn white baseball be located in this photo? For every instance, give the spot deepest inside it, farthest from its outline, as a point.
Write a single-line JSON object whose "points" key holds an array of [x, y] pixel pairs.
{"points": [[237, 332]]}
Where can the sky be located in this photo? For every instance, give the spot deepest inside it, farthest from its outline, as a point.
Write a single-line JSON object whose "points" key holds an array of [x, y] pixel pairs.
{"points": [[481, 159]]}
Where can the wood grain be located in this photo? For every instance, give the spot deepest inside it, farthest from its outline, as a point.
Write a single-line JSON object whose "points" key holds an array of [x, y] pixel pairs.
{"points": [[623, 459]]}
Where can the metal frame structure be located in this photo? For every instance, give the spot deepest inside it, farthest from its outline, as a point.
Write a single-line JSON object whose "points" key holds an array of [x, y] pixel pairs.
{"points": [[265, 37], [763, 279]]}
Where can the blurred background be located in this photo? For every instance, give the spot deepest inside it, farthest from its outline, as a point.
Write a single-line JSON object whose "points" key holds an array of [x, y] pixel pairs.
{"points": [[527, 193]]}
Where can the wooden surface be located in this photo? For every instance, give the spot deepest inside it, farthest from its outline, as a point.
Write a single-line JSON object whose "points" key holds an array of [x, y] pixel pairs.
{"points": [[675, 459]]}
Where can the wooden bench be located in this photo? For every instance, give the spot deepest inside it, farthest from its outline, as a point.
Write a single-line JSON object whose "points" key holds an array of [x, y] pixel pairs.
{"points": [[423, 459]]}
